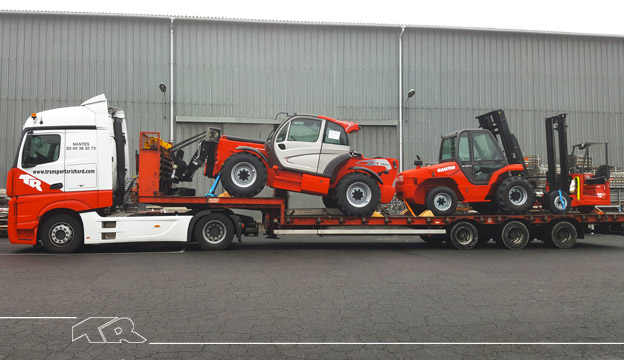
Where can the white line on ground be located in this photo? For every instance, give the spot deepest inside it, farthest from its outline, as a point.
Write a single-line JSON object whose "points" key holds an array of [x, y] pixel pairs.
{"points": [[38, 318], [386, 343]]}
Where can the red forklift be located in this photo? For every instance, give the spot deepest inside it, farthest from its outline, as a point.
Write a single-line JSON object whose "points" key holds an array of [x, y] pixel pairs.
{"points": [[575, 186]]}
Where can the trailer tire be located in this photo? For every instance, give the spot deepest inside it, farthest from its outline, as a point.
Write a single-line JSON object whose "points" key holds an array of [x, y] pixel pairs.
{"points": [[357, 194], [562, 235], [556, 203], [214, 231], [61, 234], [514, 195], [513, 235], [462, 236], [441, 201], [243, 175]]}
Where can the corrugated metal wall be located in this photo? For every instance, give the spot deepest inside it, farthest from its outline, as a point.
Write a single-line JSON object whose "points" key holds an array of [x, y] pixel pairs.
{"points": [[252, 71], [458, 75], [54, 61]]}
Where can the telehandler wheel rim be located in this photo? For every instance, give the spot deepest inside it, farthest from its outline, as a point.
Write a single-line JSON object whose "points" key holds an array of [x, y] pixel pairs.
{"points": [[61, 234], [214, 232], [244, 174], [359, 194], [442, 201], [518, 195]]}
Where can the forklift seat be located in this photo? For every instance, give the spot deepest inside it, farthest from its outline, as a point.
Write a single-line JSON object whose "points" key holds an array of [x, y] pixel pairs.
{"points": [[601, 176]]}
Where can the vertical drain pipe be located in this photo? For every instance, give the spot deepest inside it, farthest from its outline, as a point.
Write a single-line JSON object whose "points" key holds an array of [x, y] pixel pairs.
{"points": [[401, 98], [171, 120]]}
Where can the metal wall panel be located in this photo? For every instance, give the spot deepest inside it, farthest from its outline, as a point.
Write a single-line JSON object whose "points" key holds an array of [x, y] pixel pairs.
{"points": [[50, 61], [458, 75]]}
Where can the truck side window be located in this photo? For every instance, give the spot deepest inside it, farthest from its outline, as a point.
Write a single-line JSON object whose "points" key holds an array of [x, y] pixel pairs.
{"points": [[307, 130], [40, 149], [335, 134]]}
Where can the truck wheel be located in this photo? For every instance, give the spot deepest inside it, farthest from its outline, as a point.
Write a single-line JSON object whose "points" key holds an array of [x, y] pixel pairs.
{"points": [[357, 194], [558, 203], [512, 235], [514, 195], [441, 201], [462, 236], [243, 175], [328, 200], [562, 235], [61, 234], [214, 231]]}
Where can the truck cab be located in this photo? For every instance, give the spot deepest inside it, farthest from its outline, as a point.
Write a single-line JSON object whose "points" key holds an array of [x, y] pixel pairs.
{"points": [[69, 160]]}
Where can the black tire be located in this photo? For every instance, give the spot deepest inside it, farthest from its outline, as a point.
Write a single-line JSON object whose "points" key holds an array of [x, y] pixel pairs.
{"points": [[513, 235], [484, 207], [214, 231], [433, 239], [329, 201], [561, 235], [243, 175], [61, 234], [514, 195], [441, 201], [357, 194], [462, 236], [557, 203]]}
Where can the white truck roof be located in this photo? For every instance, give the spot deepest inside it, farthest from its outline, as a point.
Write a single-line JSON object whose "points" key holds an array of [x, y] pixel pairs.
{"points": [[91, 113]]}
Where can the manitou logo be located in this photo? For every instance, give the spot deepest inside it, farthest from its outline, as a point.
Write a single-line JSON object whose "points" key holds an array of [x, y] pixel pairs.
{"points": [[31, 181]]}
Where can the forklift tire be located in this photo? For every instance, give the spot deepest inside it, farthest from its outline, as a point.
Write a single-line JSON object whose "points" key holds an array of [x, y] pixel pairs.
{"points": [[462, 236], [441, 201], [243, 175], [557, 203], [357, 194], [514, 195], [214, 231], [61, 234], [561, 235], [513, 235]]}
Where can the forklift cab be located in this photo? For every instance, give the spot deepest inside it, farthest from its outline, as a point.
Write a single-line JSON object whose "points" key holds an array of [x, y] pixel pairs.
{"points": [[476, 151]]}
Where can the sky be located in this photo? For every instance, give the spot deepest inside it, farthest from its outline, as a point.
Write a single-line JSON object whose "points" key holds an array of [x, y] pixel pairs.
{"points": [[590, 17]]}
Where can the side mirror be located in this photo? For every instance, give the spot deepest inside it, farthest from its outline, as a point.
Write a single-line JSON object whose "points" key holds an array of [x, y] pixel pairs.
{"points": [[418, 161]]}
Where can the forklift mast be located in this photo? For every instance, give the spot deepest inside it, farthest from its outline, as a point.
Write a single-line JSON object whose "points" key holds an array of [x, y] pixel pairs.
{"points": [[557, 123], [496, 123]]}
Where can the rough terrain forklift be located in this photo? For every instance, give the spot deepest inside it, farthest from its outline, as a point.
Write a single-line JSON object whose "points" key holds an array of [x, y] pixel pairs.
{"points": [[473, 169]]}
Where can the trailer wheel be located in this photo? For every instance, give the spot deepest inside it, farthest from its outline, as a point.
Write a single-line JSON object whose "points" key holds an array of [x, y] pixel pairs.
{"points": [[463, 235], [441, 201], [514, 195], [243, 175], [214, 231], [357, 194], [557, 203], [61, 234], [512, 235], [562, 235]]}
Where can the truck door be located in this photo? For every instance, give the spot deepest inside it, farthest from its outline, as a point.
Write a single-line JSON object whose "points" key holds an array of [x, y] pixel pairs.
{"points": [[80, 160], [299, 147], [41, 163]]}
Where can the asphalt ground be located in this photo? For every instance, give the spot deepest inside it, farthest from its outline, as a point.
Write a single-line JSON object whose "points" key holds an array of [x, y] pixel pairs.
{"points": [[311, 297]]}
